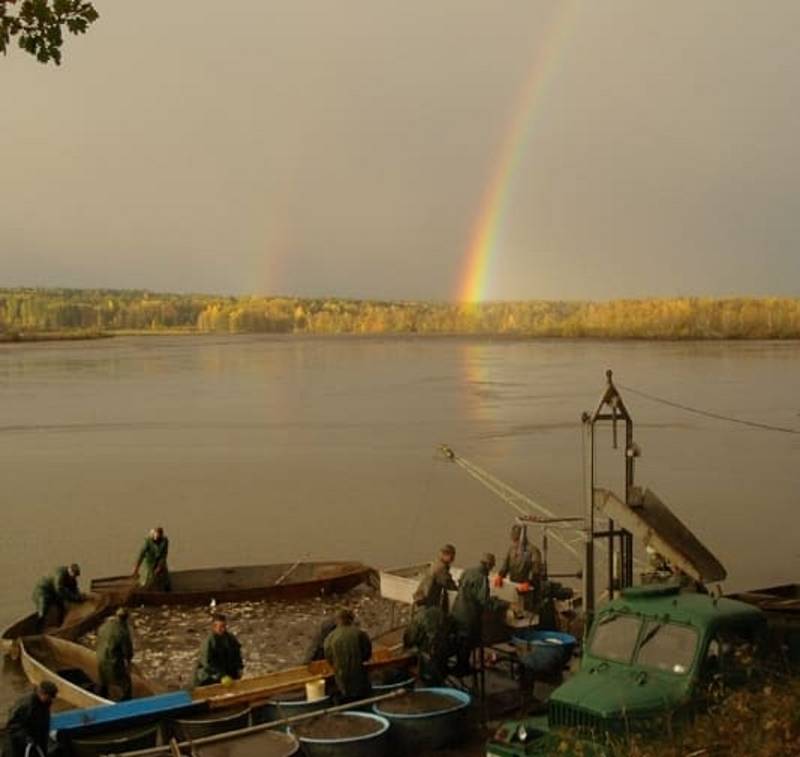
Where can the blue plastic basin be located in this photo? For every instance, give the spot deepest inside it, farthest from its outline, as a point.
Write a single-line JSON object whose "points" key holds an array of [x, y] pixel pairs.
{"points": [[374, 744], [278, 709], [414, 732], [384, 688], [543, 651]]}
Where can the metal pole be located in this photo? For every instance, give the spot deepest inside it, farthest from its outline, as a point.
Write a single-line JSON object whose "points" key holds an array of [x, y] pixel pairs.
{"points": [[588, 567], [626, 539], [249, 731]]}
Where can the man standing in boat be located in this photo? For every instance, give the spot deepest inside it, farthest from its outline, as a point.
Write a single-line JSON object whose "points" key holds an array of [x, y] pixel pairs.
{"points": [[432, 590], [28, 726], [316, 648], [220, 656], [431, 633], [153, 556], [473, 598], [55, 591], [347, 648], [114, 655]]}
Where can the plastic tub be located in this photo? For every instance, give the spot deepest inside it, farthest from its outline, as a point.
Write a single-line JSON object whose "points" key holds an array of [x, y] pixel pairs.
{"points": [[385, 688], [543, 652], [265, 744], [278, 709], [374, 744], [384, 681], [210, 723], [415, 732], [115, 742]]}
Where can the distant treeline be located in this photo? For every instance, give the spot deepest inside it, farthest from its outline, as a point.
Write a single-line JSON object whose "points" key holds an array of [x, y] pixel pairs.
{"points": [[88, 310]]}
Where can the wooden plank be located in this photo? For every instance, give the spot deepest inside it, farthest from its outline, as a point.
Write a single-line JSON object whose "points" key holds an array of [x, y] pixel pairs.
{"points": [[266, 686]]}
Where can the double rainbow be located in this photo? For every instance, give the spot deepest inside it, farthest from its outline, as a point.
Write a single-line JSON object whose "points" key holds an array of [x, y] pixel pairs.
{"points": [[486, 231]]}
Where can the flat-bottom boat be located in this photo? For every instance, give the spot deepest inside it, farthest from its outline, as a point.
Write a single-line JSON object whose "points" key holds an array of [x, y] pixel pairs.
{"points": [[80, 618], [73, 668], [282, 581]]}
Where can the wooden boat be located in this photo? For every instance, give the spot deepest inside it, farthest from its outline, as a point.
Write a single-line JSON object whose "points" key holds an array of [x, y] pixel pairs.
{"points": [[79, 619], [289, 581], [778, 599], [73, 668], [782, 607]]}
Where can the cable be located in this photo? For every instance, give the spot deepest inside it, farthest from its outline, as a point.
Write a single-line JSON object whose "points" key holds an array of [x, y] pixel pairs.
{"points": [[708, 413]]}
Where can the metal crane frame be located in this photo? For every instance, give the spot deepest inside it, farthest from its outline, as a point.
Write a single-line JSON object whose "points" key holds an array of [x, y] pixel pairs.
{"points": [[611, 409]]}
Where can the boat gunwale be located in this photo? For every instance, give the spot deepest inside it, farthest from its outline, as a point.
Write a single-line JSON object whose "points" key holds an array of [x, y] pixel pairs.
{"points": [[82, 697], [69, 632], [351, 574]]}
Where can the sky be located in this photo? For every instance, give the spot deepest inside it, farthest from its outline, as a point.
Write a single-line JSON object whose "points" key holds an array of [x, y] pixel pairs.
{"points": [[423, 149]]}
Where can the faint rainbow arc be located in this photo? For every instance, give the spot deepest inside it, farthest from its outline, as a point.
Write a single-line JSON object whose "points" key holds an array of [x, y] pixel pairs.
{"points": [[473, 280]]}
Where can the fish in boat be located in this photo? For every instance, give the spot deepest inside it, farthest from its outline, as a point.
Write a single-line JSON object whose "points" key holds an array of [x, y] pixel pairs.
{"points": [[387, 652], [73, 668], [282, 581], [80, 618]]}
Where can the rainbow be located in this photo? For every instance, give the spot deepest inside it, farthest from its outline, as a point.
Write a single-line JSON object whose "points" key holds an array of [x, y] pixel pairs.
{"points": [[473, 281]]}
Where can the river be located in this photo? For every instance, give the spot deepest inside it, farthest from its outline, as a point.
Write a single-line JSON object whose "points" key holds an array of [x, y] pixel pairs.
{"points": [[256, 449]]}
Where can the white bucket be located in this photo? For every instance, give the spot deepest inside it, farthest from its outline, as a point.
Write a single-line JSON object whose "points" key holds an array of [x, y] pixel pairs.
{"points": [[315, 689]]}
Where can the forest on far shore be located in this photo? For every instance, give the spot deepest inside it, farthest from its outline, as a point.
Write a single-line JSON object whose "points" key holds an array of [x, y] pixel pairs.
{"points": [[25, 311]]}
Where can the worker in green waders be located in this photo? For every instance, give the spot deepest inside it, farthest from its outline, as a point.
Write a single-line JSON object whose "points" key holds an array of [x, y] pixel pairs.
{"points": [[347, 648], [114, 655], [55, 591], [28, 727], [220, 655], [437, 581], [432, 634], [523, 565], [153, 558], [472, 600]]}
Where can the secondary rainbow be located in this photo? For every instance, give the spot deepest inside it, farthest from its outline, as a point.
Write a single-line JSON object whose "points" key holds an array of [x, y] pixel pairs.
{"points": [[486, 229]]}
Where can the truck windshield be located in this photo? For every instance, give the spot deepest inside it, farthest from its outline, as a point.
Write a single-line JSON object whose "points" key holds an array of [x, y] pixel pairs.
{"points": [[614, 637], [668, 646]]}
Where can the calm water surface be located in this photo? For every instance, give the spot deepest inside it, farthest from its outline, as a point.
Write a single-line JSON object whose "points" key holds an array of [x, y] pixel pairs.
{"points": [[256, 449]]}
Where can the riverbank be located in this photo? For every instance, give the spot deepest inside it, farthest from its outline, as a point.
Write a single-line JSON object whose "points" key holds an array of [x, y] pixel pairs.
{"points": [[138, 311], [72, 335]]}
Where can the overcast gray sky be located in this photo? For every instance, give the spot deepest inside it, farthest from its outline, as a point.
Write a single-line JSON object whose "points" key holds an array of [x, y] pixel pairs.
{"points": [[343, 148]]}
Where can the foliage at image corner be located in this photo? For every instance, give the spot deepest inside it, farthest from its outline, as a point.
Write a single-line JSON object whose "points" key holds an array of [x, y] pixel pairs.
{"points": [[39, 25], [763, 720]]}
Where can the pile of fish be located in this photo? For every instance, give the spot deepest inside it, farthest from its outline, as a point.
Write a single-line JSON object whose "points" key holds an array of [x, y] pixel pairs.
{"points": [[273, 635]]}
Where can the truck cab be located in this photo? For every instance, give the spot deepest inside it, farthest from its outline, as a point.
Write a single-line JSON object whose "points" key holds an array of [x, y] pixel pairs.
{"points": [[653, 654]]}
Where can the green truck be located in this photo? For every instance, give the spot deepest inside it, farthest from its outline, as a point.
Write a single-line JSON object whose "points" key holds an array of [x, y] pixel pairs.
{"points": [[654, 654]]}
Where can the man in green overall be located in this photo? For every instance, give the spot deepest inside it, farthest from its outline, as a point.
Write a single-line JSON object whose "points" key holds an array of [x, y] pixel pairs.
{"points": [[431, 633], [55, 591], [220, 656], [114, 655], [433, 588], [523, 566], [347, 648], [153, 556], [28, 726], [473, 598]]}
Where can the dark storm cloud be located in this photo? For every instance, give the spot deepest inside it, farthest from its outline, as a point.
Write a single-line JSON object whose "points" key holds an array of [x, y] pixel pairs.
{"points": [[342, 148]]}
